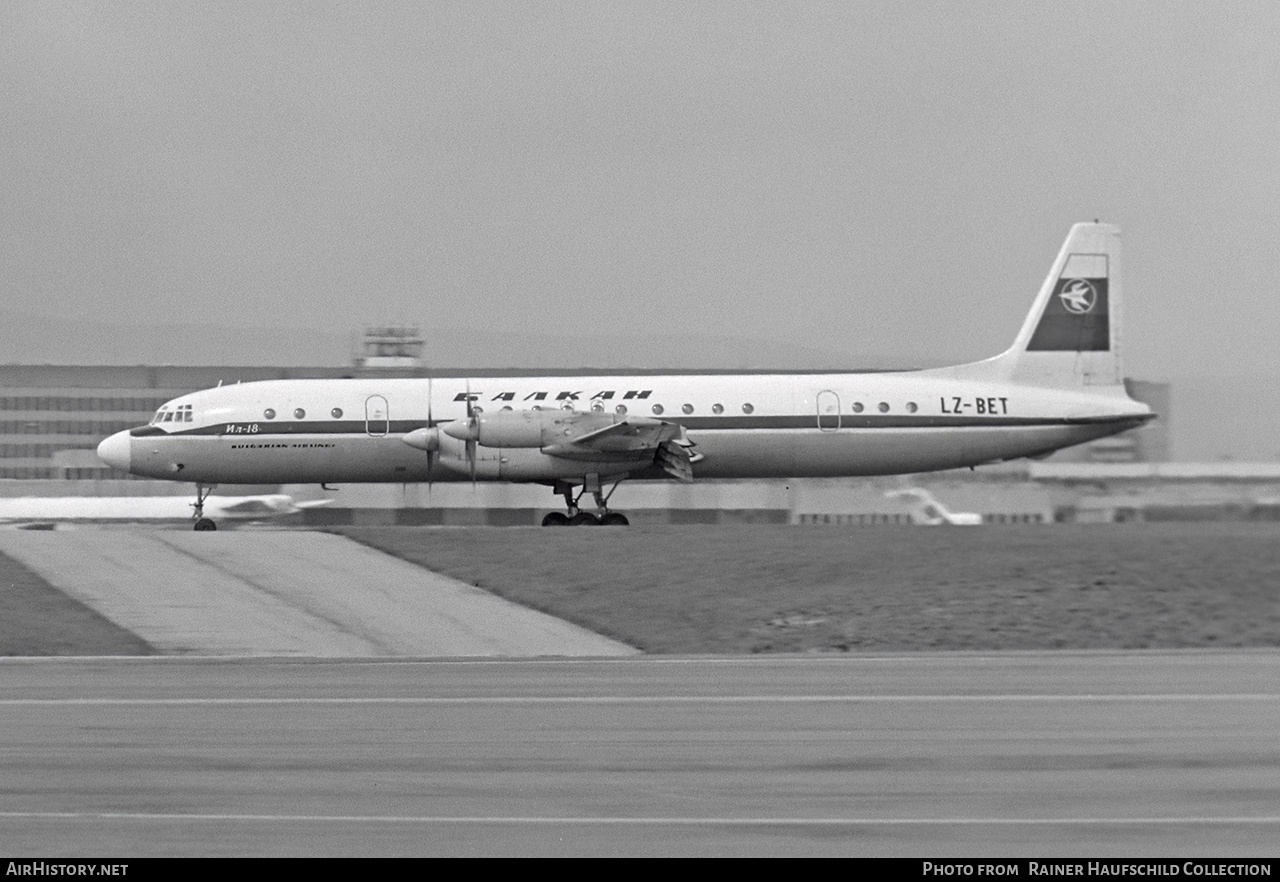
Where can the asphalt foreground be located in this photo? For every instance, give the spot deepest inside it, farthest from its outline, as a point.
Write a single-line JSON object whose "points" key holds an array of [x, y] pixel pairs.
{"points": [[929, 755]]}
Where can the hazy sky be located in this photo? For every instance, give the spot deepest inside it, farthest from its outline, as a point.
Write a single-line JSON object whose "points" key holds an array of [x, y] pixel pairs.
{"points": [[885, 181]]}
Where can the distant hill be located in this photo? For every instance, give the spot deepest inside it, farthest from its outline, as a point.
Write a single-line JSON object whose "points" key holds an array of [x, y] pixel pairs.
{"points": [[33, 340]]}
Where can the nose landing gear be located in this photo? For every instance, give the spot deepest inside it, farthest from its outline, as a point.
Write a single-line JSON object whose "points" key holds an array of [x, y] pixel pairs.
{"points": [[577, 517], [202, 524]]}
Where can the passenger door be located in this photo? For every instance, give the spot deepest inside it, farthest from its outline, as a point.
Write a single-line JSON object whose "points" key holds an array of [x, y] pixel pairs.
{"points": [[377, 420]]}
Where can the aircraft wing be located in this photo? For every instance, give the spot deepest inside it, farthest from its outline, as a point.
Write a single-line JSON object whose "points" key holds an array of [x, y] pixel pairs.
{"points": [[638, 439], [631, 435]]}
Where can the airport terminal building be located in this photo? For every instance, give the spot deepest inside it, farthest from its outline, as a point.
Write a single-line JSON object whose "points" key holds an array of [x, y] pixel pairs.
{"points": [[53, 416]]}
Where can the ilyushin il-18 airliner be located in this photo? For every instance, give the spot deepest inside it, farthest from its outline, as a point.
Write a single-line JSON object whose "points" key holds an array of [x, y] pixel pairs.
{"points": [[1060, 383]]}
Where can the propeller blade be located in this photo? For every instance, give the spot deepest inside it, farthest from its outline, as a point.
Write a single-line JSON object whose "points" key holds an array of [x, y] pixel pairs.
{"points": [[430, 424], [473, 430]]}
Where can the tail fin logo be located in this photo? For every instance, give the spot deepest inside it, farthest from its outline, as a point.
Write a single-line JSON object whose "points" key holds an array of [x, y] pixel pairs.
{"points": [[1078, 296], [1076, 317]]}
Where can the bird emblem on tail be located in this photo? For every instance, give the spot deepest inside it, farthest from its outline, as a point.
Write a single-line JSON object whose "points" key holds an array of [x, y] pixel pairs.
{"points": [[1078, 296]]}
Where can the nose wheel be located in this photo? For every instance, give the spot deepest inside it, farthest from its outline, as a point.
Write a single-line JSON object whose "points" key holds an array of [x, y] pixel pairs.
{"points": [[576, 516], [203, 524]]}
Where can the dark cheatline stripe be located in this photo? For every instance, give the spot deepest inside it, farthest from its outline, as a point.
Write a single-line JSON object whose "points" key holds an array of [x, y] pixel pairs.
{"points": [[864, 421], [804, 421], [306, 427]]}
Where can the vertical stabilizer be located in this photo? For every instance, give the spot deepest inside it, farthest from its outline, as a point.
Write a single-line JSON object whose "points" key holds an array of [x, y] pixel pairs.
{"points": [[1071, 336]]}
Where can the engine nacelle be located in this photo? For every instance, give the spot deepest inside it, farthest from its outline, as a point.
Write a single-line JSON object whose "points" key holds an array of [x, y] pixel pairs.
{"points": [[424, 439], [521, 464], [528, 428]]}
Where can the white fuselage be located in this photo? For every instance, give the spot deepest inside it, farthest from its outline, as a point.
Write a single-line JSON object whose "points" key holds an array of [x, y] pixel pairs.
{"points": [[740, 426], [1060, 383]]}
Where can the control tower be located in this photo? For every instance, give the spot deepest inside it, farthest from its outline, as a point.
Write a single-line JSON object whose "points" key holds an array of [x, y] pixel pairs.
{"points": [[390, 348]]}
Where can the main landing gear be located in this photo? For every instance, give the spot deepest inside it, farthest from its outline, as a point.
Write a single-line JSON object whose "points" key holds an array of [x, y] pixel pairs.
{"points": [[576, 517], [203, 524]]}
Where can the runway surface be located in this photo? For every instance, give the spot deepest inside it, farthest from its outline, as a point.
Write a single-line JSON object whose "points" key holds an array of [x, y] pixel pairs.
{"points": [[287, 593], [1004, 755]]}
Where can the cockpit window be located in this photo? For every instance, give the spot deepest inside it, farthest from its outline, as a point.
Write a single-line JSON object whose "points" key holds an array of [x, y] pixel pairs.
{"points": [[183, 413]]}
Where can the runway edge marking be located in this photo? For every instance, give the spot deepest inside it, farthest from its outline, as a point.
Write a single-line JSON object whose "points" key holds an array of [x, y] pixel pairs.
{"points": [[648, 821], [635, 699]]}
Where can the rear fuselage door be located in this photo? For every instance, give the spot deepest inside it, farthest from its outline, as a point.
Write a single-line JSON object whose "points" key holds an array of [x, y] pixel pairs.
{"points": [[828, 411], [377, 421]]}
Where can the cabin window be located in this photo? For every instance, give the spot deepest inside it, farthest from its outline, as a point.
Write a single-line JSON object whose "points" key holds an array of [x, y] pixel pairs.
{"points": [[717, 408], [336, 413], [621, 408], [299, 413], [269, 413], [596, 407], [857, 407], [748, 408], [687, 408], [506, 407], [883, 407], [657, 408], [911, 407]]}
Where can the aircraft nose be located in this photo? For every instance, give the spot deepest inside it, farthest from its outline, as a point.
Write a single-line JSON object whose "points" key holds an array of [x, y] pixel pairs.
{"points": [[115, 451]]}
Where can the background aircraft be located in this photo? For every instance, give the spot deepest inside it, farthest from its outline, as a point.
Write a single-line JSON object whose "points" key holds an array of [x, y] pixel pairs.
{"points": [[44, 512], [928, 511]]}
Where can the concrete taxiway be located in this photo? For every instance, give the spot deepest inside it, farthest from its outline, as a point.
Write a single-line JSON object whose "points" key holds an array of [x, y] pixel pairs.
{"points": [[286, 593], [1004, 755]]}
